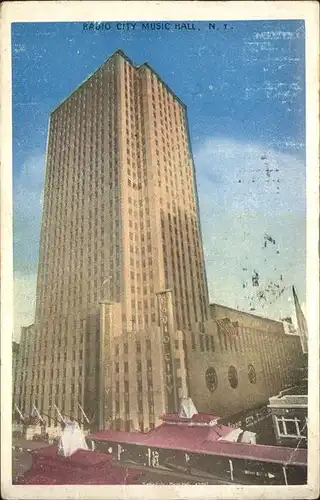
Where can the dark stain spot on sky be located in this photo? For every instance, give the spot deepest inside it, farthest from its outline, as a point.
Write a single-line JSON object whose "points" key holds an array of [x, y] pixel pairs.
{"points": [[269, 238], [255, 278], [264, 291]]}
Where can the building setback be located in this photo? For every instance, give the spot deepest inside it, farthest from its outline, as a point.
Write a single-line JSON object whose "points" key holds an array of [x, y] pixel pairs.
{"points": [[290, 416], [122, 314], [24, 369]]}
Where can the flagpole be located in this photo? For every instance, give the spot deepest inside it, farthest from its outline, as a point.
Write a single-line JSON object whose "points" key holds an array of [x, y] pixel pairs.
{"points": [[60, 416], [38, 413], [18, 410], [83, 413], [301, 322]]}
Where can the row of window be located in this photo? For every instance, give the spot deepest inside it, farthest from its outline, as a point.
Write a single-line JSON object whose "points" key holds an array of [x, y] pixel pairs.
{"points": [[138, 346], [157, 86], [211, 377], [185, 261]]}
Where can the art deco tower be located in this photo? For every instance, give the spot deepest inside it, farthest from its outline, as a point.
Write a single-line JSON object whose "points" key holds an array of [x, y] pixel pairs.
{"points": [[120, 223]]}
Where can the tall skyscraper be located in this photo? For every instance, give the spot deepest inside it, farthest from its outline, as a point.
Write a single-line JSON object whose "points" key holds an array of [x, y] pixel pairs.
{"points": [[121, 258]]}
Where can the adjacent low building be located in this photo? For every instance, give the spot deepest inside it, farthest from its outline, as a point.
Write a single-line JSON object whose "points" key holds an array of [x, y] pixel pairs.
{"points": [[22, 372], [231, 363], [15, 357], [199, 445], [290, 416], [239, 360]]}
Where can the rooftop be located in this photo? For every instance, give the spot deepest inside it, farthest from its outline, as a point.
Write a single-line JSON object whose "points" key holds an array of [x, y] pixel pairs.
{"points": [[294, 396], [204, 440], [124, 56], [256, 316], [167, 436], [196, 418], [297, 390]]}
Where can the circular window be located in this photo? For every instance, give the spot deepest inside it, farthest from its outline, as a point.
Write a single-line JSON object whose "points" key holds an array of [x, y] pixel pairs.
{"points": [[211, 379], [252, 374], [233, 377]]}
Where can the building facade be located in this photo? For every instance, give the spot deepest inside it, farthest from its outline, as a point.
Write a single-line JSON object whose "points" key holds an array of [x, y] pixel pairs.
{"points": [[23, 370], [123, 325], [145, 373], [239, 361], [289, 411], [15, 360]]}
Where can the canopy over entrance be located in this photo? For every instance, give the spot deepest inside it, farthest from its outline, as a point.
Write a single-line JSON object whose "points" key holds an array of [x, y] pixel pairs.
{"points": [[71, 440]]}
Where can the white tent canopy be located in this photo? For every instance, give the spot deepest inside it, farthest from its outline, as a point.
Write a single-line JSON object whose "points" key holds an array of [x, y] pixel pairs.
{"points": [[72, 439], [187, 408]]}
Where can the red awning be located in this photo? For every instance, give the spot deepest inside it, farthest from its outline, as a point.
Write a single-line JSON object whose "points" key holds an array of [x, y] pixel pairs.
{"points": [[204, 417], [177, 436], [264, 453], [120, 436], [167, 436], [205, 440], [83, 467]]}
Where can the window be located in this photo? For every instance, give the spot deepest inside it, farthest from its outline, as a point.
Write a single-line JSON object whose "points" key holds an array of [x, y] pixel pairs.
{"points": [[201, 337], [211, 379], [291, 427], [207, 342], [233, 377], [252, 374], [212, 343]]}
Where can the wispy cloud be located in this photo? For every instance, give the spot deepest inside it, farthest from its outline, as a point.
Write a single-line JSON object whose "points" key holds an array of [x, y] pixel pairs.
{"points": [[19, 48], [279, 91], [267, 47], [278, 34], [254, 177], [27, 193], [27, 201], [242, 202], [24, 301]]}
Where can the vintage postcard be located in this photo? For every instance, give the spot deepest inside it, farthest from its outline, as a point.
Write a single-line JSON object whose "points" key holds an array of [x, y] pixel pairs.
{"points": [[159, 249]]}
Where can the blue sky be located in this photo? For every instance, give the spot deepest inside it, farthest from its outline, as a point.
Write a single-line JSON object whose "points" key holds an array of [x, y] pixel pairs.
{"points": [[244, 88]]}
